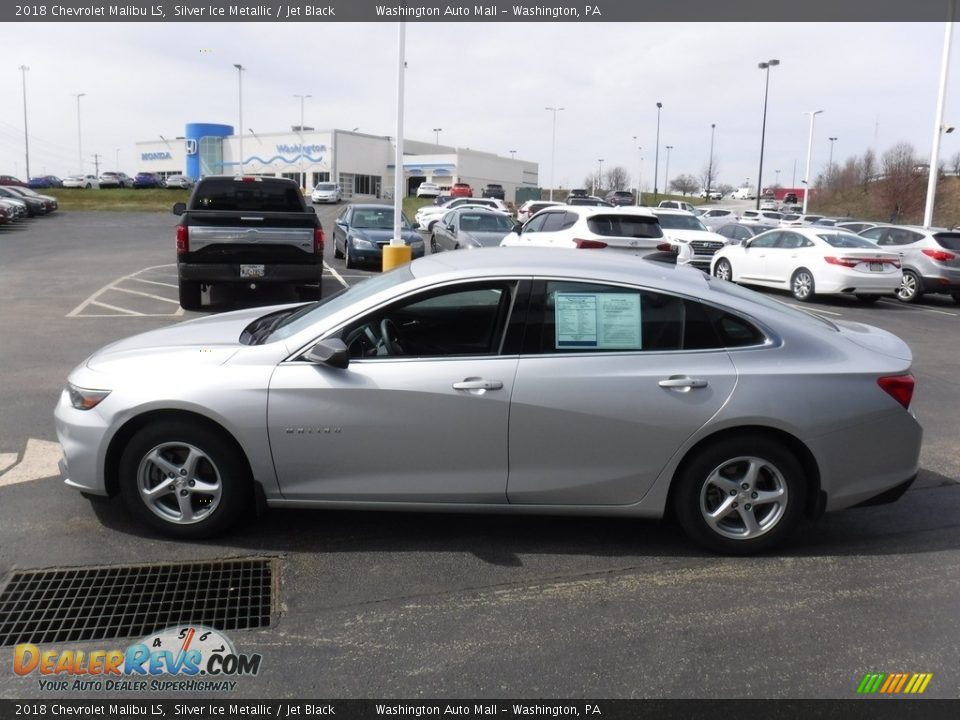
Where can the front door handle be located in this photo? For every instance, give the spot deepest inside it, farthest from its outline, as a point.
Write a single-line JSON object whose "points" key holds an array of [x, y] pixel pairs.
{"points": [[682, 383], [478, 384]]}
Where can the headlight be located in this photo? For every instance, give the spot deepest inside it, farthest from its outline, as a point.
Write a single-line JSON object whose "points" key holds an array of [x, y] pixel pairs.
{"points": [[362, 244], [84, 398]]}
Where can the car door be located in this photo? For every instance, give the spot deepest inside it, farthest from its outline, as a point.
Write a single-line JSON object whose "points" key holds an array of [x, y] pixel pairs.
{"points": [[611, 382], [340, 228], [443, 231], [753, 259], [790, 252], [425, 421]]}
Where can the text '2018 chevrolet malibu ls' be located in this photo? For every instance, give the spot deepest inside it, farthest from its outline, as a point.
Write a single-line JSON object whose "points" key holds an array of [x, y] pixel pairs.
{"points": [[549, 381]]}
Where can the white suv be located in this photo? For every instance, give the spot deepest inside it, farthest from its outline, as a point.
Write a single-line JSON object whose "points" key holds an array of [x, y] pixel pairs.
{"points": [[582, 226], [676, 205]]}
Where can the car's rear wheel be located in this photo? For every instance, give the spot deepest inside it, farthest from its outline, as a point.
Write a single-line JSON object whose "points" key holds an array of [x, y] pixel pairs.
{"points": [[802, 286], [189, 295], [867, 299], [184, 479], [740, 496], [723, 270], [956, 297], [911, 287]]}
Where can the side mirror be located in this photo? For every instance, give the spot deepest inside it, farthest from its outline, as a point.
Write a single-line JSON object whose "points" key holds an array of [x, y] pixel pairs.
{"points": [[333, 352], [341, 222], [518, 228], [179, 208], [747, 243]]}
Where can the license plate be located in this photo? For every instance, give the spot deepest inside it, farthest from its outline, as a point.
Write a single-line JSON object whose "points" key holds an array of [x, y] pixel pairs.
{"points": [[876, 267], [251, 271]]}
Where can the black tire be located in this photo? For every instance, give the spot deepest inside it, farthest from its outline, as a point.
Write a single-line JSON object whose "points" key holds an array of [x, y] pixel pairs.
{"points": [[87, 186], [221, 465], [694, 494], [336, 251], [723, 265], [802, 286], [189, 295], [956, 297], [867, 299], [348, 260], [911, 288]]}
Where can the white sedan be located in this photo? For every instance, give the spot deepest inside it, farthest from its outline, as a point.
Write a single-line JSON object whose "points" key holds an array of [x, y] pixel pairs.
{"points": [[81, 181], [807, 261], [428, 189]]}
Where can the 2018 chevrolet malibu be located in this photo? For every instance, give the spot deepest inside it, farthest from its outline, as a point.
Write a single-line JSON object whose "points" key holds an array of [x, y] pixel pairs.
{"points": [[550, 381]]}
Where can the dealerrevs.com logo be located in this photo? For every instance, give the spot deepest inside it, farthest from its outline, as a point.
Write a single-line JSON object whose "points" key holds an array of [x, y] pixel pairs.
{"points": [[180, 658], [894, 683]]}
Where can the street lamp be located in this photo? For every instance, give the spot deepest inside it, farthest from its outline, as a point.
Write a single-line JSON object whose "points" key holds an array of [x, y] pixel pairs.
{"points": [[303, 181], [553, 147], [763, 130], [117, 159], [713, 128], [438, 131], [599, 175], [26, 141], [938, 127], [666, 173], [656, 155], [240, 68], [806, 178], [639, 171], [513, 154], [79, 136], [830, 164], [777, 179]]}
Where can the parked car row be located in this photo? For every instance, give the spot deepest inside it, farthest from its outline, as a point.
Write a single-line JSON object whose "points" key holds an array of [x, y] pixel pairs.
{"points": [[106, 179], [18, 202]]}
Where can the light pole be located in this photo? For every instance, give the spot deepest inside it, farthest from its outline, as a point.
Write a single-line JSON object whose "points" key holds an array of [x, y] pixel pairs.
{"points": [[763, 130], [513, 154], [599, 174], [713, 128], [398, 252], [656, 155], [776, 181], [938, 127], [553, 147], [806, 178], [79, 136], [666, 171], [830, 164], [117, 159], [639, 172], [240, 68], [26, 137], [303, 180], [438, 131]]}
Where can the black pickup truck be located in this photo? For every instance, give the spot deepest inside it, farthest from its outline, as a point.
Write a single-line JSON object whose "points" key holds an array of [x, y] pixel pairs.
{"points": [[246, 231], [494, 190]]}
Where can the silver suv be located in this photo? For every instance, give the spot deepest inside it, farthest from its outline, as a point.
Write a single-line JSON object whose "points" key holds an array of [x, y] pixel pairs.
{"points": [[930, 258]]}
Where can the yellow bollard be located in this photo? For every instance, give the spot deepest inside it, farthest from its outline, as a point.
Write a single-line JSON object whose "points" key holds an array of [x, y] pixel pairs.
{"points": [[396, 255]]}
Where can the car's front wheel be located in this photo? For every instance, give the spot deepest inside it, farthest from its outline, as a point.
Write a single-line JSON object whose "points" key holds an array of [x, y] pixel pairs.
{"points": [[956, 297], [740, 496], [184, 479], [723, 270]]}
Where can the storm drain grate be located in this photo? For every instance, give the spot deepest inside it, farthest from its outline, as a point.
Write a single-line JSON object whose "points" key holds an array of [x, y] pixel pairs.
{"points": [[78, 604]]}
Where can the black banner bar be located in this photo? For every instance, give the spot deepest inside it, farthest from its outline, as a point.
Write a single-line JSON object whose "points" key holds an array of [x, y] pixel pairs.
{"points": [[142, 709], [494, 11]]}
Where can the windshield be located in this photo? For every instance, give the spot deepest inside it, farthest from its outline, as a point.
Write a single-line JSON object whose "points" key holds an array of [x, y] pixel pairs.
{"points": [[309, 314], [376, 219], [680, 222], [846, 240]]}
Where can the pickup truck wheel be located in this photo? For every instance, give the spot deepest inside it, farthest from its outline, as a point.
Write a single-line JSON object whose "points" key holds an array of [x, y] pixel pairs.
{"points": [[189, 295]]}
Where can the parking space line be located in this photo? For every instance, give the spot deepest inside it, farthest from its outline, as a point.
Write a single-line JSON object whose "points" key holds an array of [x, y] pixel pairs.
{"points": [[815, 310], [121, 310], [143, 294], [336, 275], [155, 282], [114, 285]]}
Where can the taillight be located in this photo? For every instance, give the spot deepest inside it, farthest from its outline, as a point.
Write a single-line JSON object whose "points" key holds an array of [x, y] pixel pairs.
{"points": [[939, 255], [845, 262], [668, 247], [589, 244], [318, 241], [899, 387], [183, 239]]}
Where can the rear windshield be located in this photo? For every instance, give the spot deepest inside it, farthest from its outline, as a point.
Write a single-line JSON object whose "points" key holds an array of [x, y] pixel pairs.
{"points": [[950, 241], [326, 186], [624, 226], [485, 222], [846, 240], [229, 194], [680, 222]]}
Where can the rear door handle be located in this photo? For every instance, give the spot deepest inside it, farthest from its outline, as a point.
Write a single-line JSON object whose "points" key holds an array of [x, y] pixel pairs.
{"points": [[682, 383], [478, 384]]}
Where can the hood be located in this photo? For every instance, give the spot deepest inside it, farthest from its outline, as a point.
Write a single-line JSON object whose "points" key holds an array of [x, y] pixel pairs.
{"points": [[206, 341], [484, 238], [689, 235], [875, 339], [384, 235]]}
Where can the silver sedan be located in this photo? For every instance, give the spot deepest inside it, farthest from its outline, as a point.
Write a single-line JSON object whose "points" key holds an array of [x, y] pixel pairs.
{"points": [[548, 381]]}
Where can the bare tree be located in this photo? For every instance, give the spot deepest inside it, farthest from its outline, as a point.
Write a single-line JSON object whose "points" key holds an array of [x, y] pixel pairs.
{"points": [[868, 169], [593, 182], [904, 177], [725, 189], [684, 184], [708, 176], [617, 178], [955, 163]]}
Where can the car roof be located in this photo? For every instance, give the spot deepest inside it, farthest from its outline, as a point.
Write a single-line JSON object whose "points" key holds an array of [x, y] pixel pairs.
{"points": [[588, 210], [670, 211]]}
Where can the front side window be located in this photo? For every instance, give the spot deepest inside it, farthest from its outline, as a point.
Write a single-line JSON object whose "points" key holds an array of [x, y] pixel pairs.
{"points": [[536, 224], [767, 240]]}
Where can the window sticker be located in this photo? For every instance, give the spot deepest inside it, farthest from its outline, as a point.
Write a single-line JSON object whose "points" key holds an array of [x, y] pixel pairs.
{"points": [[603, 321]]}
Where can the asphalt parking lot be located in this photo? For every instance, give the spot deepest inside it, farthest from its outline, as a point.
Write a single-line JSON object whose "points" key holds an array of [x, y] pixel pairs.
{"points": [[406, 605]]}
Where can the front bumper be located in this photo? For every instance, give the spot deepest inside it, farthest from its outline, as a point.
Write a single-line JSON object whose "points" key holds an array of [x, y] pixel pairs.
{"points": [[82, 436]]}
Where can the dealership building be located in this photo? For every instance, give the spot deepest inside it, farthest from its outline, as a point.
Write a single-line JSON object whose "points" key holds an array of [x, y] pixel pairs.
{"points": [[362, 164]]}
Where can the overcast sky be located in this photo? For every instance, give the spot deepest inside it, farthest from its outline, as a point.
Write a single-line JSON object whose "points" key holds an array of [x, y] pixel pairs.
{"points": [[487, 86]]}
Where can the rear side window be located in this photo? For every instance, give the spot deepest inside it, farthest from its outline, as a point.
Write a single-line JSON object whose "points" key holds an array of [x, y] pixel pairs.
{"points": [[635, 226], [950, 241], [554, 221], [230, 194]]}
